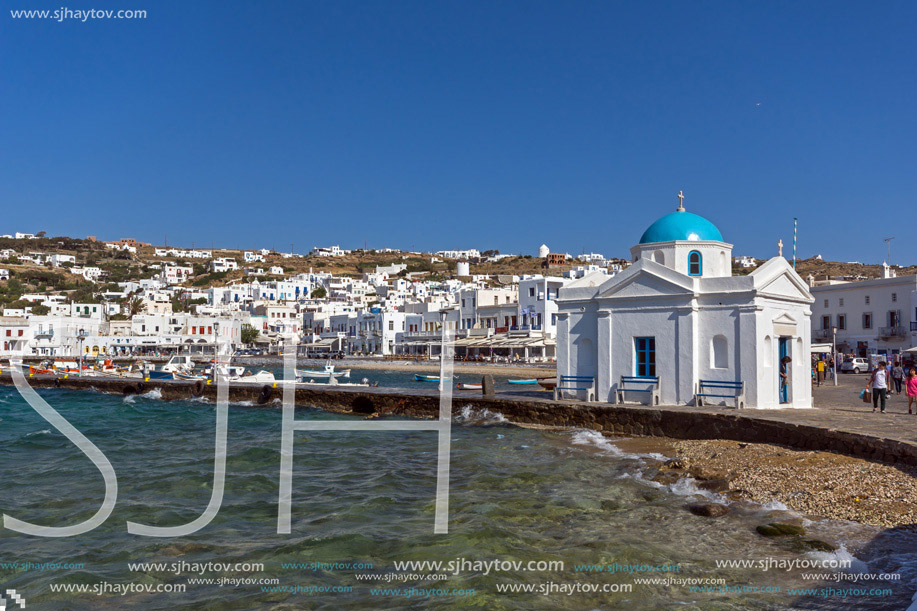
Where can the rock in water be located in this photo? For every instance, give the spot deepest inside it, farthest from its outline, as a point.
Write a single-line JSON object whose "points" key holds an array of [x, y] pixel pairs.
{"points": [[780, 529], [677, 463], [708, 510]]}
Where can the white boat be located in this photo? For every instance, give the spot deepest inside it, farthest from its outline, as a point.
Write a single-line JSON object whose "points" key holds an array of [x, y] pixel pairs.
{"points": [[327, 372], [226, 374]]}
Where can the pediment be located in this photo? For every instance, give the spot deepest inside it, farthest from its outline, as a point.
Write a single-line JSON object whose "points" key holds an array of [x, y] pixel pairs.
{"points": [[646, 284], [784, 285]]}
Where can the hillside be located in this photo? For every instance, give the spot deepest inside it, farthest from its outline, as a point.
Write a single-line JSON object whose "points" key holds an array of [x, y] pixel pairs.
{"points": [[121, 266]]}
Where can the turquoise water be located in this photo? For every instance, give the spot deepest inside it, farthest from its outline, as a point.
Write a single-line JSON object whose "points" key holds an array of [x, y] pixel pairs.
{"points": [[516, 495]]}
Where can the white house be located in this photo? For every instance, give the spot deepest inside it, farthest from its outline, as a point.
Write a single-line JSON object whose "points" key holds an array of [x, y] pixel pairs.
{"points": [[871, 317], [745, 261], [223, 264], [678, 314], [176, 274], [4, 274], [25, 236], [58, 260], [252, 257]]}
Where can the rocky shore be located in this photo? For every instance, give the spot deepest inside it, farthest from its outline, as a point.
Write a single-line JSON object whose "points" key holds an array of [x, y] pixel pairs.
{"points": [[813, 483]]}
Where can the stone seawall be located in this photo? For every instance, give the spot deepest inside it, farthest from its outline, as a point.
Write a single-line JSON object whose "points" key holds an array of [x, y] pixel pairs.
{"points": [[674, 422]]}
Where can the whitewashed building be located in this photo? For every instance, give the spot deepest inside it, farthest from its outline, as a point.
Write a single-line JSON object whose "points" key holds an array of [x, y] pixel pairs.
{"points": [[871, 317], [678, 314]]}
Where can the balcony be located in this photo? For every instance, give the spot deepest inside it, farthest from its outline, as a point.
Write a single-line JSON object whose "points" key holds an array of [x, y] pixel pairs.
{"points": [[48, 333], [892, 332], [821, 334]]}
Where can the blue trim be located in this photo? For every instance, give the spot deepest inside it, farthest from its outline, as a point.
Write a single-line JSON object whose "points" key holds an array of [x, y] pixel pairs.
{"points": [[645, 357], [699, 262]]}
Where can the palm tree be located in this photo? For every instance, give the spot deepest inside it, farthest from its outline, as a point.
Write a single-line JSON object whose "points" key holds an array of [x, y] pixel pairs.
{"points": [[135, 306]]}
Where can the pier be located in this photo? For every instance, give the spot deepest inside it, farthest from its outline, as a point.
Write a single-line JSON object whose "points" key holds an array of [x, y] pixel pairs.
{"points": [[837, 425]]}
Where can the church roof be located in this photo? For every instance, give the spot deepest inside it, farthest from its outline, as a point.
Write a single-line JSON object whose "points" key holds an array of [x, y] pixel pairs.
{"points": [[681, 226]]}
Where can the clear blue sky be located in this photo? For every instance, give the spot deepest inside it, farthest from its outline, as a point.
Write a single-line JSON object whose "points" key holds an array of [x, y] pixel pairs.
{"points": [[464, 124]]}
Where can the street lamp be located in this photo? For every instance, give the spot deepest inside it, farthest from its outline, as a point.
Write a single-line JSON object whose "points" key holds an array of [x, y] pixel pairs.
{"points": [[834, 353], [81, 336]]}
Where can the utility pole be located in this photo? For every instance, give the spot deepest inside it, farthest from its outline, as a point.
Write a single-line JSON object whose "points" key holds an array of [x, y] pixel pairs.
{"points": [[888, 249]]}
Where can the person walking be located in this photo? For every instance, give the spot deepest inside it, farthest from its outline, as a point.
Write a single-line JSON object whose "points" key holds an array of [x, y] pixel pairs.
{"points": [[911, 388], [878, 381], [830, 366], [898, 377], [820, 371]]}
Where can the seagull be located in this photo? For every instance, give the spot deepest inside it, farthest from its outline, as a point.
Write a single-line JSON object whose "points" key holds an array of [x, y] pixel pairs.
{"points": [[758, 104]]}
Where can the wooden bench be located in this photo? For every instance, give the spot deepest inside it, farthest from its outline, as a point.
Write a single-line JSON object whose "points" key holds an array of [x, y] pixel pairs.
{"points": [[647, 384], [586, 383], [720, 389]]}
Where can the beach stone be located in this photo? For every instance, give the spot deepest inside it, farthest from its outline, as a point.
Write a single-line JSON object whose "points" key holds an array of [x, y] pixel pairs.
{"points": [[666, 477], [611, 505], [815, 545], [714, 485], [651, 495], [708, 510], [676, 463], [780, 529]]}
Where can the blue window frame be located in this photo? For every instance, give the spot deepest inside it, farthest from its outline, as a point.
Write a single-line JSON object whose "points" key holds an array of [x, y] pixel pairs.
{"points": [[694, 263], [645, 350]]}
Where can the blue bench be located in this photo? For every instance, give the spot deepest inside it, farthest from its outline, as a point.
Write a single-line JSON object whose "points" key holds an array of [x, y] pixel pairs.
{"points": [[721, 390], [645, 384], [576, 383]]}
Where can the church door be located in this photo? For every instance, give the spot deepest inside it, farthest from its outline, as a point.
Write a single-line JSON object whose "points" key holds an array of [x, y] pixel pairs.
{"points": [[784, 388]]}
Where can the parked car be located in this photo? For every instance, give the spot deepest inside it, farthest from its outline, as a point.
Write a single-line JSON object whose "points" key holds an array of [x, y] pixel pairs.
{"points": [[857, 365]]}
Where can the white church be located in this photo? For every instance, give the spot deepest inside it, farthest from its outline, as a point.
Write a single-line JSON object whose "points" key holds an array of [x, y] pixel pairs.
{"points": [[678, 324]]}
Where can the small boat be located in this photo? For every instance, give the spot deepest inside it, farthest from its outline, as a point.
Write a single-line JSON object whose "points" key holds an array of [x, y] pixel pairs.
{"points": [[422, 378], [547, 383], [178, 375], [43, 368], [154, 374], [327, 372], [526, 381], [469, 386], [66, 367], [262, 377]]}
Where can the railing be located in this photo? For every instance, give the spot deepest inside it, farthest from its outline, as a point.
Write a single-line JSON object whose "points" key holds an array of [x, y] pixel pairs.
{"points": [[892, 332], [821, 333]]}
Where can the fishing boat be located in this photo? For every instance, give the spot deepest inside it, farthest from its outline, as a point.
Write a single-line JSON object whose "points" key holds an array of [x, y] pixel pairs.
{"points": [[179, 375], [547, 383], [224, 374], [66, 367], [469, 386], [525, 381], [42, 368], [422, 378], [326, 372], [154, 374]]}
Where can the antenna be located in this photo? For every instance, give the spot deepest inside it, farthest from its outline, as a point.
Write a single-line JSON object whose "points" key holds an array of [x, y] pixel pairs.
{"points": [[888, 249]]}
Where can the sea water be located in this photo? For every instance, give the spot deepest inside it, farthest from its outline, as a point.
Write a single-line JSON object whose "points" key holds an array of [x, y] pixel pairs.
{"points": [[538, 520]]}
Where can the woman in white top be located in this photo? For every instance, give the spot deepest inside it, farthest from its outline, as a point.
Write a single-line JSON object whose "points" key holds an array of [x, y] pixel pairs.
{"points": [[879, 384]]}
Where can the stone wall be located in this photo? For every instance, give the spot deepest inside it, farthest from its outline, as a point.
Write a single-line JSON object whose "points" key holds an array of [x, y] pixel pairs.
{"points": [[674, 422]]}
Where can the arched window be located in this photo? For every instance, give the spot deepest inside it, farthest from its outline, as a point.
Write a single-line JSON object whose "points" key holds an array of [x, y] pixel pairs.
{"points": [[719, 359], [659, 257], [694, 263]]}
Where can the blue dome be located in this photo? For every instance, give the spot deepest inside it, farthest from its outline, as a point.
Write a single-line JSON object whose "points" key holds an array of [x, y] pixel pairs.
{"points": [[681, 225]]}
